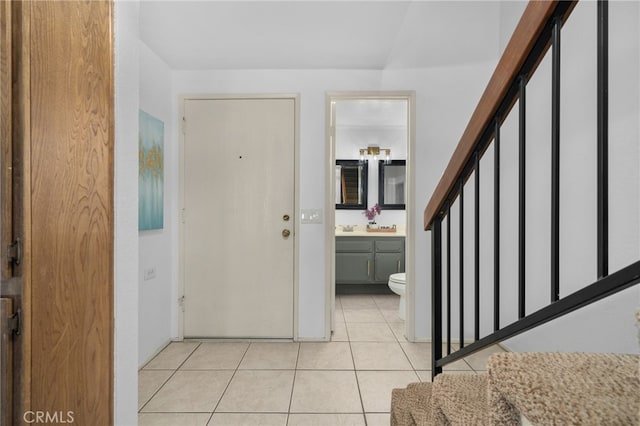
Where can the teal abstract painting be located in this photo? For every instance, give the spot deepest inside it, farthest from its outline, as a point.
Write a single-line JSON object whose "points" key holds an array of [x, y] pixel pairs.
{"points": [[151, 173]]}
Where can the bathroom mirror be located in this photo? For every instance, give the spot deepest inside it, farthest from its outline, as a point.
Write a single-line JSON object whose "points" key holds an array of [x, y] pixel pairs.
{"points": [[392, 184], [351, 184]]}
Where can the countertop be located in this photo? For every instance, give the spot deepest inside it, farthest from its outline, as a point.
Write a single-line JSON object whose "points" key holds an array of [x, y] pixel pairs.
{"points": [[361, 231]]}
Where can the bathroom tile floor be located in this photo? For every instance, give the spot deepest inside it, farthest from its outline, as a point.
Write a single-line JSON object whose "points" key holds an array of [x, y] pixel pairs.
{"points": [[347, 381]]}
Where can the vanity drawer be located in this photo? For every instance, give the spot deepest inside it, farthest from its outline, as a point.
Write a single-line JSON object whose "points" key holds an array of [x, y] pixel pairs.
{"points": [[354, 245], [389, 245]]}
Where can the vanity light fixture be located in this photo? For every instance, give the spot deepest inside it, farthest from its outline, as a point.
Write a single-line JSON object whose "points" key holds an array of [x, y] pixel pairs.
{"points": [[374, 151]]}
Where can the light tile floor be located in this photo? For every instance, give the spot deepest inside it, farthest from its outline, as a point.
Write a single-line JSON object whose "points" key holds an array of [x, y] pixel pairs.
{"points": [[347, 381]]}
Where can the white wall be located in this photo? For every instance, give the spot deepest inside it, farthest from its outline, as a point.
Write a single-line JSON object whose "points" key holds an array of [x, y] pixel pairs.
{"points": [[510, 13], [444, 95], [155, 247], [611, 318], [126, 213], [312, 86], [445, 99]]}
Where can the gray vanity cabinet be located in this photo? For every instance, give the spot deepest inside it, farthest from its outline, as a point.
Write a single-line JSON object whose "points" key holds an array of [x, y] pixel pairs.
{"points": [[354, 260], [388, 258], [353, 268], [368, 260]]}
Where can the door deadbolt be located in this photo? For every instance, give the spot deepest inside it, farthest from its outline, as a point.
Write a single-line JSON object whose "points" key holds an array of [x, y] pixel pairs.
{"points": [[285, 217], [286, 233]]}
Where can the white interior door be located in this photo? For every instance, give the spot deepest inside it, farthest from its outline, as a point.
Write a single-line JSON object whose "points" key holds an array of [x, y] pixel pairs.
{"points": [[239, 204]]}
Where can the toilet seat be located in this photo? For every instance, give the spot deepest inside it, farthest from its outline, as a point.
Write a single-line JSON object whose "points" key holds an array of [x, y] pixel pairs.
{"points": [[399, 278]]}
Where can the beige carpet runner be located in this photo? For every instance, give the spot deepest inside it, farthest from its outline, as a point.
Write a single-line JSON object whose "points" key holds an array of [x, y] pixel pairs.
{"points": [[545, 388]]}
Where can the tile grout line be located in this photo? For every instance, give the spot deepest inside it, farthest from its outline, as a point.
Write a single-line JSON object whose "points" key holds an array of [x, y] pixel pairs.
{"points": [[405, 353], [230, 380], [295, 373], [355, 373], [154, 357], [354, 364], [296, 368], [386, 322], [157, 390], [168, 378], [355, 370]]}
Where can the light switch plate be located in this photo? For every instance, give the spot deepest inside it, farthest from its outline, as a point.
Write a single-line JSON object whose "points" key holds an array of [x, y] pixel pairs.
{"points": [[311, 216]]}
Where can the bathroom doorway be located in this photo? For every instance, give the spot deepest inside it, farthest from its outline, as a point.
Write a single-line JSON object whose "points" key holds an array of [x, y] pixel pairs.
{"points": [[370, 200]]}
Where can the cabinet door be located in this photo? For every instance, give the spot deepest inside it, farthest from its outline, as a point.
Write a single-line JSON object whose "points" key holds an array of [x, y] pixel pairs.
{"points": [[354, 268], [387, 264]]}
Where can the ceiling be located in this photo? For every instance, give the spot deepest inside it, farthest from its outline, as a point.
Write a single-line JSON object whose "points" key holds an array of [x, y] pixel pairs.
{"points": [[320, 34]]}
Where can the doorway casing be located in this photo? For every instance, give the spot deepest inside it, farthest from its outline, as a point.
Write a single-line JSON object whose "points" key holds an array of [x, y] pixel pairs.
{"points": [[330, 133]]}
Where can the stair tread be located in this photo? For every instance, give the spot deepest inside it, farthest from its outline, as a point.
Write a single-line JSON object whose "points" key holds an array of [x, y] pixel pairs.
{"points": [[410, 406], [571, 388], [460, 398]]}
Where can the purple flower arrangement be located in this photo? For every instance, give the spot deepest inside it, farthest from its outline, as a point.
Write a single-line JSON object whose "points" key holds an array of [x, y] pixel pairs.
{"points": [[372, 212]]}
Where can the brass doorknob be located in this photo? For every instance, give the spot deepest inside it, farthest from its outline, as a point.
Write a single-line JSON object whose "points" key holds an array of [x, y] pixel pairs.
{"points": [[286, 233]]}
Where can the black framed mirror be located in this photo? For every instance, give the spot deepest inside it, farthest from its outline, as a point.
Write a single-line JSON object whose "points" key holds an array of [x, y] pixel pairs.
{"points": [[392, 188], [351, 184]]}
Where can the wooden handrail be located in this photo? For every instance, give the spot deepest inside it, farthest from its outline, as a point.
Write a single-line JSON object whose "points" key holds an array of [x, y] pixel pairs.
{"points": [[522, 41]]}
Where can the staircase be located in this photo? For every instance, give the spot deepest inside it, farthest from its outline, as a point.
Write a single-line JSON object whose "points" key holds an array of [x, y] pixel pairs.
{"points": [[543, 388]]}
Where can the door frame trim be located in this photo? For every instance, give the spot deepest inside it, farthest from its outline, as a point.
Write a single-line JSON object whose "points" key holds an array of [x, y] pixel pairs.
{"points": [[296, 194], [330, 282]]}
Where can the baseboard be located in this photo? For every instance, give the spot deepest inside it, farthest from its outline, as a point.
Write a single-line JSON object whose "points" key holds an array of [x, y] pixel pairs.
{"points": [[155, 353], [312, 339], [355, 289]]}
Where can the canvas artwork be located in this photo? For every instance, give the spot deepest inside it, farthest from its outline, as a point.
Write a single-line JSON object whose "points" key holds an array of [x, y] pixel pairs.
{"points": [[151, 173]]}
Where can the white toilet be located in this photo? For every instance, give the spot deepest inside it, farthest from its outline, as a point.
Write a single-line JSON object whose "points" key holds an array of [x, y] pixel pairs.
{"points": [[397, 284]]}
